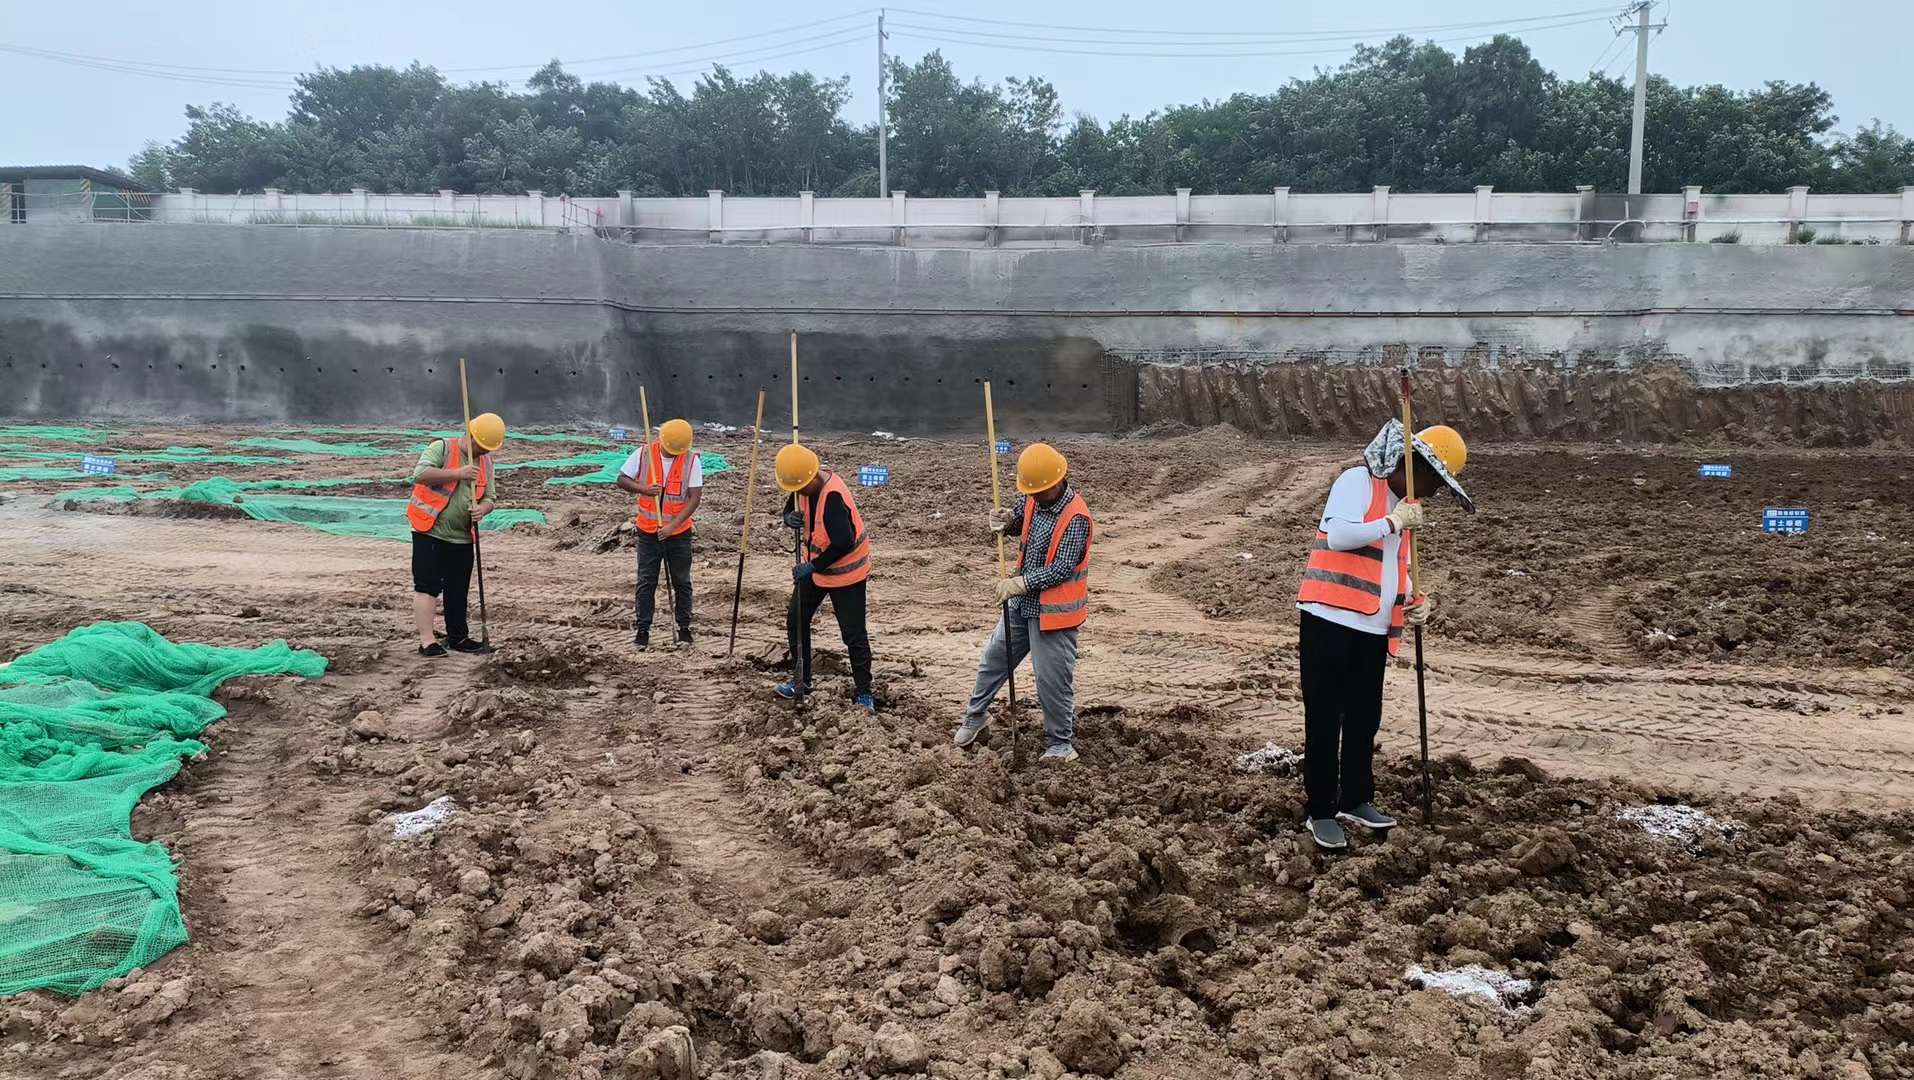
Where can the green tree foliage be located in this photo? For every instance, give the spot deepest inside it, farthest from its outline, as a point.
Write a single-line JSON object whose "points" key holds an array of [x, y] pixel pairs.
{"points": [[1411, 115]]}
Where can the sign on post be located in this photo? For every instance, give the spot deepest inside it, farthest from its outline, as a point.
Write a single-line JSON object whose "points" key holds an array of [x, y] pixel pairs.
{"points": [[618, 433], [873, 475], [1003, 446], [94, 465], [1722, 471], [1785, 519]]}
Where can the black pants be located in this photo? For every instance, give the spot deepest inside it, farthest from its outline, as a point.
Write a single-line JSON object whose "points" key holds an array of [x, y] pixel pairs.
{"points": [[848, 602], [442, 568], [675, 552], [1342, 703]]}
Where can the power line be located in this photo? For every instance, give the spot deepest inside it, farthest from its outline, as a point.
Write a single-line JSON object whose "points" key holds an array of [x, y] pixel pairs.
{"points": [[680, 48], [844, 37], [1273, 35], [950, 40], [127, 69]]}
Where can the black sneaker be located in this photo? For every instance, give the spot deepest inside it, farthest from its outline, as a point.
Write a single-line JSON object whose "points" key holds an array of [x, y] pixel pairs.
{"points": [[469, 646], [684, 636], [434, 650], [642, 639]]}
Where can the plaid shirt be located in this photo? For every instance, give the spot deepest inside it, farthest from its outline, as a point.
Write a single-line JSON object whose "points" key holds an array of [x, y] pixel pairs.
{"points": [[1036, 575]]}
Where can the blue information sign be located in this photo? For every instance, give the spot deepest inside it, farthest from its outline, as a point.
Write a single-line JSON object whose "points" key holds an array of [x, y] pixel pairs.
{"points": [[93, 465], [1003, 446], [1787, 519], [873, 475], [1718, 470], [618, 433]]}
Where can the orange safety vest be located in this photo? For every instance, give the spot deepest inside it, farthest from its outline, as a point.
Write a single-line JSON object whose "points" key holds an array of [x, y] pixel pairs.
{"points": [[648, 519], [1352, 580], [1065, 606], [854, 566], [429, 500]]}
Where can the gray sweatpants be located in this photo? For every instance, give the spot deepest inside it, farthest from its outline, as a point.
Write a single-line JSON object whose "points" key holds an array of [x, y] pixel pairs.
{"points": [[1054, 656]]}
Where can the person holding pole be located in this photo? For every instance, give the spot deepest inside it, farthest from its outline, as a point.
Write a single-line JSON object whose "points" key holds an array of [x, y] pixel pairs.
{"points": [[668, 478], [452, 491], [835, 562], [1049, 600], [1355, 598]]}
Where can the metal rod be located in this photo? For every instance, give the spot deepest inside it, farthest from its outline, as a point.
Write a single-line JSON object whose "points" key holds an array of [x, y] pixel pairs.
{"points": [[478, 553], [800, 539], [658, 511], [744, 539], [1003, 570]]}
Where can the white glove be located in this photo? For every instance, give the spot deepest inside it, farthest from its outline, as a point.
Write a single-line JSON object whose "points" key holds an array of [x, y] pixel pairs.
{"points": [[1000, 519], [1009, 587], [1416, 611], [1406, 515]]}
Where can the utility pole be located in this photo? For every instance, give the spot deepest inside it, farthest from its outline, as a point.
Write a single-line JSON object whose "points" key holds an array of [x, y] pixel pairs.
{"points": [[1641, 29], [883, 153]]}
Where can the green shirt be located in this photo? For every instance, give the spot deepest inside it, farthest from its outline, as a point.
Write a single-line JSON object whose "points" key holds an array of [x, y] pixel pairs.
{"points": [[455, 521]]}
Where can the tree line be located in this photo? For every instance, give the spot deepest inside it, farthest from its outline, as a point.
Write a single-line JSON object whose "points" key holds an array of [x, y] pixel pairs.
{"points": [[1414, 116]]}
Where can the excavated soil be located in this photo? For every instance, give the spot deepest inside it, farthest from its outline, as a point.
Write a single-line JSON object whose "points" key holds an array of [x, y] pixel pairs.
{"points": [[648, 867]]}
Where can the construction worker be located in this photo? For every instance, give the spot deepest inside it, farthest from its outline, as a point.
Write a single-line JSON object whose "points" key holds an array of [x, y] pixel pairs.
{"points": [[666, 468], [452, 491], [1049, 599], [834, 561], [1355, 599]]}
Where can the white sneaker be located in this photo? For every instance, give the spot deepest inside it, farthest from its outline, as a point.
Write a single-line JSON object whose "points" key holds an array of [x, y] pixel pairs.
{"points": [[968, 731], [1327, 834], [1367, 816], [1066, 753]]}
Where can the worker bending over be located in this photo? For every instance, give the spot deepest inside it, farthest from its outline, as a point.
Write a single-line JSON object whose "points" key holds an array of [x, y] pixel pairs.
{"points": [[835, 561], [666, 469], [1049, 599], [1355, 598], [452, 491]]}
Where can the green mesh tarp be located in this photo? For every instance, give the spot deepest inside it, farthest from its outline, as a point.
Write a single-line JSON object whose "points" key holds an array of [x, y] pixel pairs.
{"points": [[341, 515], [314, 446], [88, 725], [604, 465], [36, 472], [187, 454], [54, 433], [510, 436]]}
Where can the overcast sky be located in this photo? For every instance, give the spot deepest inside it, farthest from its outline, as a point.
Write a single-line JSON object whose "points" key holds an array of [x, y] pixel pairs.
{"points": [[87, 111]]}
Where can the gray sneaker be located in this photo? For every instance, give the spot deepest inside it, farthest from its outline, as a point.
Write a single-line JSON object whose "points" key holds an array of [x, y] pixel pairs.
{"points": [[1367, 816], [1066, 752], [968, 731], [1327, 834]]}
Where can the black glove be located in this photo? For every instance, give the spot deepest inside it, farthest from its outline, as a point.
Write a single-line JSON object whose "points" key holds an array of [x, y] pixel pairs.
{"points": [[802, 571], [793, 519]]}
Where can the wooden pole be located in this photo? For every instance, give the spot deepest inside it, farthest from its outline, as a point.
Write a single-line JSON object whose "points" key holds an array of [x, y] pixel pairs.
{"points": [[744, 539], [471, 455], [1003, 571], [801, 539], [1415, 578], [658, 504]]}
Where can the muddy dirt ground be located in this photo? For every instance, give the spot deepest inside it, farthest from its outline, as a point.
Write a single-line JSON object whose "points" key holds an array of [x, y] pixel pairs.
{"points": [[654, 869]]}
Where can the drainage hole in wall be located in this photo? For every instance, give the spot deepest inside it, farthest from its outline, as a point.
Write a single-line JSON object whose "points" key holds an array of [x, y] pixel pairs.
{"points": [[574, 374], [355, 371], [535, 371], [116, 367], [1086, 386], [1010, 382], [212, 367], [242, 367], [83, 363], [319, 371], [389, 371]]}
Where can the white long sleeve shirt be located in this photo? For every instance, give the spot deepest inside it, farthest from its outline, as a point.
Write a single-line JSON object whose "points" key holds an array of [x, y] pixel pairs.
{"points": [[1342, 522]]}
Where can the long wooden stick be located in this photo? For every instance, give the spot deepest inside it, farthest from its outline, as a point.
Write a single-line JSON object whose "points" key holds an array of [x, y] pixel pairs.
{"points": [[658, 505], [744, 540], [1415, 578], [1003, 571], [478, 553], [801, 540]]}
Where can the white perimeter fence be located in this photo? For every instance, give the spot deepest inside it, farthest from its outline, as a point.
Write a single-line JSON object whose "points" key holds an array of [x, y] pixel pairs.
{"points": [[1586, 216]]}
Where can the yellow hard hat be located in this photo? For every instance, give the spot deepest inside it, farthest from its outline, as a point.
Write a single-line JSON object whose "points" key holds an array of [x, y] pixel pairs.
{"points": [[796, 465], [676, 435], [488, 431], [1448, 445], [1039, 468]]}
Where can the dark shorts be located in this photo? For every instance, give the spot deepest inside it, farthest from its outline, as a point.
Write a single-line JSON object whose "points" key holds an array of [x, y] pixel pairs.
{"points": [[438, 564]]}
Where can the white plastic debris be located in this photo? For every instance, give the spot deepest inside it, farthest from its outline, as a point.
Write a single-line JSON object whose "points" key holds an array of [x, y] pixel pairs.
{"points": [[1658, 634], [886, 435], [1472, 980], [1516, 573], [1245, 556], [416, 823], [1273, 757], [1679, 824], [718, 429]]}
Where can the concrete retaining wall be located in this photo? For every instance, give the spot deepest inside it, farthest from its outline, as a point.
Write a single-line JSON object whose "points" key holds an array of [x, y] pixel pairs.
{"points": [[349, 325]]}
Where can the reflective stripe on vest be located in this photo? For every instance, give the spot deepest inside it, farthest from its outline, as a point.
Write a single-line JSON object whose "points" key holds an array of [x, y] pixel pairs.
{"points": [[1065, 605], [430, 500], [855, 566], [647, 517], [1352, 580]]}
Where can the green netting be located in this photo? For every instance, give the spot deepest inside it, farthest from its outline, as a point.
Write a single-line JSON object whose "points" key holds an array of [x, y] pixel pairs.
{"points": [[415, 432], [188, 454], [341, 515], [515, 436], [314, 446], [54, 432], [88, 725], [605, 465], [35, 472]]}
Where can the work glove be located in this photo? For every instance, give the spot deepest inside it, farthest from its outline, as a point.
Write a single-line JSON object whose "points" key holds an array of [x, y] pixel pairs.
{"points": [[802, 571], [793, 519], [1406, 515], [1009, 587], [1000, 519], [1416, 611]]}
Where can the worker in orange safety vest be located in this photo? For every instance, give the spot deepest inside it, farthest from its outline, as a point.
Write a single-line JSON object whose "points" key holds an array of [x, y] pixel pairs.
{"points": [[667, 476], [452, 491]]}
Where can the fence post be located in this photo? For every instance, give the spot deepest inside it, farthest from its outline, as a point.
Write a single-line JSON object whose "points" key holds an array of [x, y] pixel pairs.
{"points": [[361, 204], [1907, 214], [714, 215], [1087, 209], [1182, 211], [1279, 216], [1690, 211], [1584, 211], [897, 218], [1484, 210], [992, 215], [1379, 211], [1797, 209], [807, 215], [627, 209], [275, 199]]}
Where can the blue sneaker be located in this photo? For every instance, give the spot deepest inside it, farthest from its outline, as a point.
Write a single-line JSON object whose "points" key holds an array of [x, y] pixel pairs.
{"points": [[791, 691], [866, 702]]}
